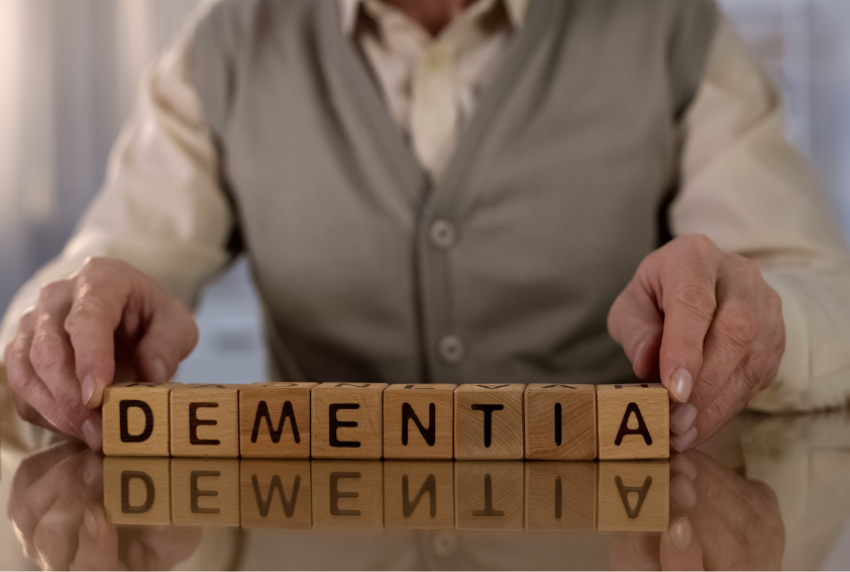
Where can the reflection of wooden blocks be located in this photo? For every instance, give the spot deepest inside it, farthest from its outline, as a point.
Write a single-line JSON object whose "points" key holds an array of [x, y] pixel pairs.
{"points": [[560, 422], [488, 421], [418, 494], [348, 494], [205, 421], [276, 494], [135, 419], [418, 421], [634, 496], [634, 421], [347, 420], [137, 491], [489, 495], [560, 496], [274, 420], [205, 492]]}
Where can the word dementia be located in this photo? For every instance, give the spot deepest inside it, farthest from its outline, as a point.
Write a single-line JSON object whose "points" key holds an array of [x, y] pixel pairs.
{"points": [[374, 420]]}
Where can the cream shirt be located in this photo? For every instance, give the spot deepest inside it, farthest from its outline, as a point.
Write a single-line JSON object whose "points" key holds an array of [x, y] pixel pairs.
{"points": [[161, 210]]}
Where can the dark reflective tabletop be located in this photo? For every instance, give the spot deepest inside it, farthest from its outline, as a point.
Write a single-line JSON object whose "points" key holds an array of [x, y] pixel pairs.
{"points": [[767, 492]]}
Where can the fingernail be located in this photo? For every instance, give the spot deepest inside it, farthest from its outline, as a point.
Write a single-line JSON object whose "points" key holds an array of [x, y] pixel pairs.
{"points": [[90, 522], [682, 491], [92, 434], [638, 355], [682, 418], [88, 388], [683, 465], [681, 384], [682, 442], [160, 371], [681, 534]]}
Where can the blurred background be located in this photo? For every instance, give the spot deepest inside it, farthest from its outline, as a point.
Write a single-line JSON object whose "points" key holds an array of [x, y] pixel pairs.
{"points": [[68, 71]]}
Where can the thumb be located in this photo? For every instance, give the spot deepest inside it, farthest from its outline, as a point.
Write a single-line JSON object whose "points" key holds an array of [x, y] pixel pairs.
{"points": [[170, 336], [636, 324]]}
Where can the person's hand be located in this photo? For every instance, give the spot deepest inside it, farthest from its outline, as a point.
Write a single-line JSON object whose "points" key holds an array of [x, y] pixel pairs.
{"points": [[707, 325], [57, 507], [109, 322]]}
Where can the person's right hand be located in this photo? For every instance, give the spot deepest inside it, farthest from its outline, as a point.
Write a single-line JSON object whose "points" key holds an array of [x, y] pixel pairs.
{"points": [[109, 322]]}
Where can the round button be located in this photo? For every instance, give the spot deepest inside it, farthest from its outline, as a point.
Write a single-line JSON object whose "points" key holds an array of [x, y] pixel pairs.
{"points": [[452, 349], [443, 234]]}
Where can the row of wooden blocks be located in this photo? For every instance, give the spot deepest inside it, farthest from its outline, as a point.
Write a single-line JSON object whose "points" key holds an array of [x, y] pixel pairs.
{"points": [[300, 494], [375, 420]]}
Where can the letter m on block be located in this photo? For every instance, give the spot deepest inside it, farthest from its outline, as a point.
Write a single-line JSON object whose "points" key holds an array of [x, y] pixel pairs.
{"points": [[275, 432]]}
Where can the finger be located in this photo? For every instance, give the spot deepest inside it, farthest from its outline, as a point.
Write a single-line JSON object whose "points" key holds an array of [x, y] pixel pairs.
{"points": [[171, 335], [30, 415], [635, 323], [98, 542], [680, 549], [716, 410]]}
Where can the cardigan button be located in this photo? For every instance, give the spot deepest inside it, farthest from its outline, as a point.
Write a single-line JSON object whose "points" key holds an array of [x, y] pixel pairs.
{"points": [[443, 234], [452, 349]]}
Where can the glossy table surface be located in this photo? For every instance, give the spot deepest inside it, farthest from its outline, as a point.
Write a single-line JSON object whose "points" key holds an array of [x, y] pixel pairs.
{"points": [[766, 492]]}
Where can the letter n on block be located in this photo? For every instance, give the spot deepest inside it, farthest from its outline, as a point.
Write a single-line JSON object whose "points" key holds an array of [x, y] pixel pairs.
{"points": [[488, 421], [634, 421], [274, 420], [205, 421], [418, 421], [136, 419], [347, 420]]}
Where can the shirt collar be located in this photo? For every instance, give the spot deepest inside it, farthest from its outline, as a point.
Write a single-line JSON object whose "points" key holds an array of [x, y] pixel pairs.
{"points": [[516, 10]]}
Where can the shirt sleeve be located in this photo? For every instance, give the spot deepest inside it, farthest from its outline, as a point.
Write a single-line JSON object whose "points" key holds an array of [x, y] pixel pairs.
{"points": [[161, 208], [744, 186]]}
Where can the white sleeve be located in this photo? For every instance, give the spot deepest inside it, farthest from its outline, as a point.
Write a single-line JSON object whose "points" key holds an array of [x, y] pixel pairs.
{"points": [[161, 208], [745, 187]]}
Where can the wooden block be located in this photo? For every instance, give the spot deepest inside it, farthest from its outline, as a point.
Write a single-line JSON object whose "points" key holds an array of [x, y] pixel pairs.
{"points": [[418, 421], [347, 420], [205, 492], [560, 495], [137, 491], [419, 494], [205, 420], [276, 494], [274, 420], [560, 422], [634, 421], [135, 419], [489, 495], [348, 494], [634, 495], [488, 421]]}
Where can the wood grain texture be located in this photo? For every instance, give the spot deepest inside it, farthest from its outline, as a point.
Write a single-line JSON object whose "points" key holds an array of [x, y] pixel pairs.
{"points": [[205, 420], [404, 405], [136, 419], [205, 492], [347, 420], [419, 494], [488, 421], [274, 420], [634, 495], [560, 495], [137, 491], [633, 421], [560, 422], [489, 495], [276, 494], [348, 494]]}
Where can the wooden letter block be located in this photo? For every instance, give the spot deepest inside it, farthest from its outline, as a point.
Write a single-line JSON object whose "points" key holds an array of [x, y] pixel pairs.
{"points": [[348, 494], [137, 491], [560, 422], [205, 492], [634, 495], [489, 495], [276, 494], [205, 421], [634, 421], [560, 495], [418, 421], [347, 420], [419, 494], [488, 421], [274, 420], [135, 419]]}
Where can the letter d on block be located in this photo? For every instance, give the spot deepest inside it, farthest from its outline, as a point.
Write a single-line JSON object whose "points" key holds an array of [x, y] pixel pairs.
{"points": [[136, 419]]}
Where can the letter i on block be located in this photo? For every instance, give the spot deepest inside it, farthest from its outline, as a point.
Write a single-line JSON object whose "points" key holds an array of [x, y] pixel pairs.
{"points": [[135, 419], [418, 421], [560, 422], [205, 421], [347, 421], [488, 421], [274, 420], [634, 421]]}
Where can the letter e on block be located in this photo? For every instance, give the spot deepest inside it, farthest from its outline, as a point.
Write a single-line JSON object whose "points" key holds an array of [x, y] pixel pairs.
{"points": [[418, 421], [136, 419], [634, 421], [274, 420], [347, 420], [205, 492], [205, 421], [488, 421]]}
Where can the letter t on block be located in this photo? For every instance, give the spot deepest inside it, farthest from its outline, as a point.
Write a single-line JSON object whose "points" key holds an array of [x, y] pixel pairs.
{"points": [[634, 421], [274, 420], [135, 419], [488, 421]]}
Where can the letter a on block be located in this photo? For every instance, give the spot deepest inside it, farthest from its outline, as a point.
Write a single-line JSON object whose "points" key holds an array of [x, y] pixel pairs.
{"points": [[274, 420], [135, 419], [418, 421], [633, 421]]}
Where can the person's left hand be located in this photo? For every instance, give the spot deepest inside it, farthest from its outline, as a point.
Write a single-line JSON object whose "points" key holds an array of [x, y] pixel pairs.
{"points": [[707, 324]]}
